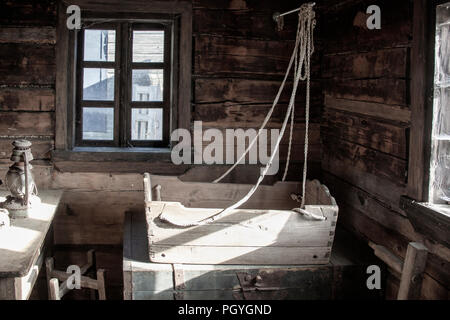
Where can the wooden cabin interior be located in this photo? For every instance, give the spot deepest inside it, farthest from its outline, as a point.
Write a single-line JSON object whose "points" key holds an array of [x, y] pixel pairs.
{"points": [[99, 102]]}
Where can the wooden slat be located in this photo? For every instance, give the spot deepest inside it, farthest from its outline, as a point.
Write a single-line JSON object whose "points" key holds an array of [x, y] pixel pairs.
{"points": [[27, 99], [243, 23], [419, 54], [27, 123], [232, 115], [39, 35], [23, 64], [240, 255], [40, 148], [249, 91], [28, 12], [222, 56], [390, 63], [369, 132], [412, 273], [343, 28], [364, 159], [385, 91], [383, 111]]}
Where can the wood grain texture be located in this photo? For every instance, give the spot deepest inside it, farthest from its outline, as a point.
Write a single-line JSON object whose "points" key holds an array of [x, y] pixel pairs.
{"points": [[38, 35], [390, 63], [369, 132], [378, 110], [27, 123], [27, 99], [25, 64]]}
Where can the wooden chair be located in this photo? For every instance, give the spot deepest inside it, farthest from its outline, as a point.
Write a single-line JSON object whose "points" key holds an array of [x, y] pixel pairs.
{"points": [[56, 290], [411, 269]]}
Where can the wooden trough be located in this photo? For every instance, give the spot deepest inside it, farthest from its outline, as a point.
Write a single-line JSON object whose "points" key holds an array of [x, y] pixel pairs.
{"points": [[263, 231]]}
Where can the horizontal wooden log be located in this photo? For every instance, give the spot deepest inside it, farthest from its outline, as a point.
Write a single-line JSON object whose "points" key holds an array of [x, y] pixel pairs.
{"points": [[378, 110], [390, 63], [28, 12], [27, 99], [245, 4], [22, 64], [386, 91], [250, 91], [232, 115], [343, 28], [382, 136], [243, 23], [364, 159], [40, 148], [220, 55], [26, 123], [38, 35]]}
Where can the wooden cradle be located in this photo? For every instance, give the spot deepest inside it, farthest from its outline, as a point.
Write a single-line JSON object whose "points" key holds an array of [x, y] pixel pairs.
{"points": [[263, 231]]}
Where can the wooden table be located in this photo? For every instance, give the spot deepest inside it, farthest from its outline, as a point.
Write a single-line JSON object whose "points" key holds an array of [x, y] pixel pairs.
{"points": [[22, 247], [343, 278]]}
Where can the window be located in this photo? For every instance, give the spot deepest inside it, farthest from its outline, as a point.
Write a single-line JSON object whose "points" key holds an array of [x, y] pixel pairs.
{"points": [[123, 81], [124, 94], [439, 190]]}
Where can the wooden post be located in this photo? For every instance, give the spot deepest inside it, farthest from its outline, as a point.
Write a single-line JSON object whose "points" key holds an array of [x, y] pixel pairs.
{"points": [[413, 268], [53, 287], [49, 266], [101, 284]]}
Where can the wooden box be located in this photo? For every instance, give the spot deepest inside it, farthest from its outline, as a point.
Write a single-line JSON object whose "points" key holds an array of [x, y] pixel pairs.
{"points": [[265, 231], [344, 277]]}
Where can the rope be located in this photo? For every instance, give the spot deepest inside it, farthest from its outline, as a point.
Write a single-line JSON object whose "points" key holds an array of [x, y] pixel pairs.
{"points": [[301, 56]]}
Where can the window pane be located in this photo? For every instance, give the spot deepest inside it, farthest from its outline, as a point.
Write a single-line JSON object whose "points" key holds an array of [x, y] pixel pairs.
{"points": [[99, 45], [147, 85], [98, 84], [98, 123], [148, 46], [147, 124]]}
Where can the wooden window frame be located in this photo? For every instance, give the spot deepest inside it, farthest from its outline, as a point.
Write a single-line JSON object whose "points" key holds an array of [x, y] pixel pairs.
{"points": [[123, 67], [428, 219], [180, 12]]}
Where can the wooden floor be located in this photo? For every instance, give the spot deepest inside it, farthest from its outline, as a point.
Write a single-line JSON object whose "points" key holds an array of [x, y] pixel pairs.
{"points": [[343, 278]]}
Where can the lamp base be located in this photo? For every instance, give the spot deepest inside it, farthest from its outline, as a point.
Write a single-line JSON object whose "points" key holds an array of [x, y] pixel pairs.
{"points": [[16, 207]]}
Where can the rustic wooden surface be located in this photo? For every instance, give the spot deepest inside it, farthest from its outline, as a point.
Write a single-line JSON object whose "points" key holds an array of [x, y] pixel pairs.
{"points": [[22, 247], [343, 278]]}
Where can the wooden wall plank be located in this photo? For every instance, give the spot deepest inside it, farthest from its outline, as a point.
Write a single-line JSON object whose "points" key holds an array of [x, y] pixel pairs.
{"points": [[386, 91], [27, 99], [390, 63], [24, 64], [382, 136], [346, 29], [28, 12], [27, 123], [249, 91], [378, 110], [243, 23], [221, 55], [234, 115], [40, 148], [364, 159], [38, 35]]}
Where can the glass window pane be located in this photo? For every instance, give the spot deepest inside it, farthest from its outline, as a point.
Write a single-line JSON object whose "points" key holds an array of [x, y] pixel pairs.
{"points": [[98, 84], [99, 45], [98, 124], [147, 124], [147, 85], [148, 46]]}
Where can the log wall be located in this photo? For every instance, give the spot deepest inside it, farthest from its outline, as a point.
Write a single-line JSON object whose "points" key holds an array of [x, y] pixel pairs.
{"points": [[365, 130], [238, 62]]}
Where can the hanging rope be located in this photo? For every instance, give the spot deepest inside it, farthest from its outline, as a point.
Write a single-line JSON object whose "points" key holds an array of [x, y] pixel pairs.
{"points": [[301, 58]]}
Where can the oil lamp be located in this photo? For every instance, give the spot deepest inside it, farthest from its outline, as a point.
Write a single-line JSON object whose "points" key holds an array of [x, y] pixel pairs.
{"points": [[20, 182]]}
